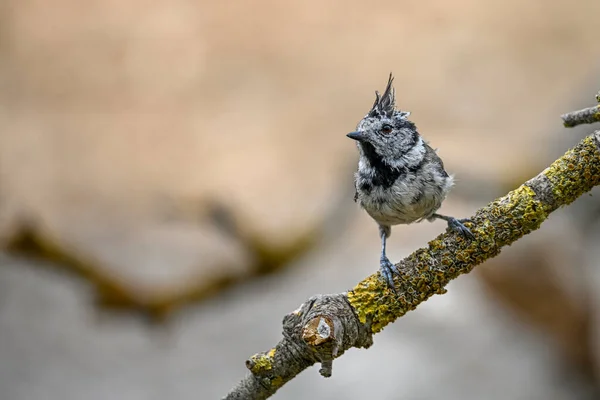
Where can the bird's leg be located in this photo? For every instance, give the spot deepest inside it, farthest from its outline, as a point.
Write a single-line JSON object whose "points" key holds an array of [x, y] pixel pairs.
{"points": [[456, 225], [386, 268]]}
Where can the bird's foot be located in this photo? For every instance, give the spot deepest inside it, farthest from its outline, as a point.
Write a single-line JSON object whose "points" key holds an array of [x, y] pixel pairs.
{"points": [[457, 226], [387, 271]]}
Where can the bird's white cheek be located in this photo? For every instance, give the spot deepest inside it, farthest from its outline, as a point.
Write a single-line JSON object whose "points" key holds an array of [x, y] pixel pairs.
{"points": [[361, 164]]}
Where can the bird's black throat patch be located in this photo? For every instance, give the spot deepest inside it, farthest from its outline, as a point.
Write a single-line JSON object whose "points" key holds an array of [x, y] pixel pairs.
{"points": [[383, 175]]}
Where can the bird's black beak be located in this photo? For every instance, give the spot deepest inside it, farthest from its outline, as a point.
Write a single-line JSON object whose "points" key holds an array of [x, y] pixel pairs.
{"points": [[356, 136]]}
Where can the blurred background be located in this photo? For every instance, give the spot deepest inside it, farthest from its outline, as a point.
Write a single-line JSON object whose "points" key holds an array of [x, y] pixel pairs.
{"points": [[175, 177]]}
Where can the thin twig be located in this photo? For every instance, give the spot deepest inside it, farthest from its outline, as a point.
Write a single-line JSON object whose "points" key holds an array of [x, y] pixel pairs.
{"points": [[586, 116], [327, 325]]}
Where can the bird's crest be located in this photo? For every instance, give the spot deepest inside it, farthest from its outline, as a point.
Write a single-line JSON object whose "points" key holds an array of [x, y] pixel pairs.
{"points": [[385, 104]]}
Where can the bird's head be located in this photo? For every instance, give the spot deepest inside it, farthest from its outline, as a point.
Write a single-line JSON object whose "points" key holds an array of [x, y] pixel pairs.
{"points": [[385, 130]]}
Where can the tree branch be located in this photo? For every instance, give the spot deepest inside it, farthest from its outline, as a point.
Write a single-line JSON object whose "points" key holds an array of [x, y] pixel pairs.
{"points": [[327, 325], [586, 116]]}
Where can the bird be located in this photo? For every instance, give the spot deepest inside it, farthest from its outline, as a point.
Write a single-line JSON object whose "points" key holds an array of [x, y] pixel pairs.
{"points": [[400, 178]]}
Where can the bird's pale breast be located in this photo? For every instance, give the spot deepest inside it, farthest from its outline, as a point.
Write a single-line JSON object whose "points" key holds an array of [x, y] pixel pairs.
{"points": [[409, 200]]}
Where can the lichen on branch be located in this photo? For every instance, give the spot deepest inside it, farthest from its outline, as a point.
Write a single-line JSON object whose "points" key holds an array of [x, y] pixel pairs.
{"points": [[327, 325]]}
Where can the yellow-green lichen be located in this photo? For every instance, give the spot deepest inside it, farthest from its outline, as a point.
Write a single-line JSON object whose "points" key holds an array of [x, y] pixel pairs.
{"points": [[575, 173], [277, 382], [373, 301], [520, 212], [261, 363]]}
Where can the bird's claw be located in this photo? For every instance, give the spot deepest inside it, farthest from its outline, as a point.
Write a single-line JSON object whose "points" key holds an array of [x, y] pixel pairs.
{"points": [[387, 271], [457, 226]]}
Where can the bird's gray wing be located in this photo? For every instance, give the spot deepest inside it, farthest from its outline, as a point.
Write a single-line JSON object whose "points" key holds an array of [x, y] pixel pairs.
{"points": [[432, 156]]}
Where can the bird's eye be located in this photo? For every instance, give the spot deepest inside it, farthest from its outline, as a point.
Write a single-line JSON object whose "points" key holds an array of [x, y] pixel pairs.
{"points": [[386, 129]]}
